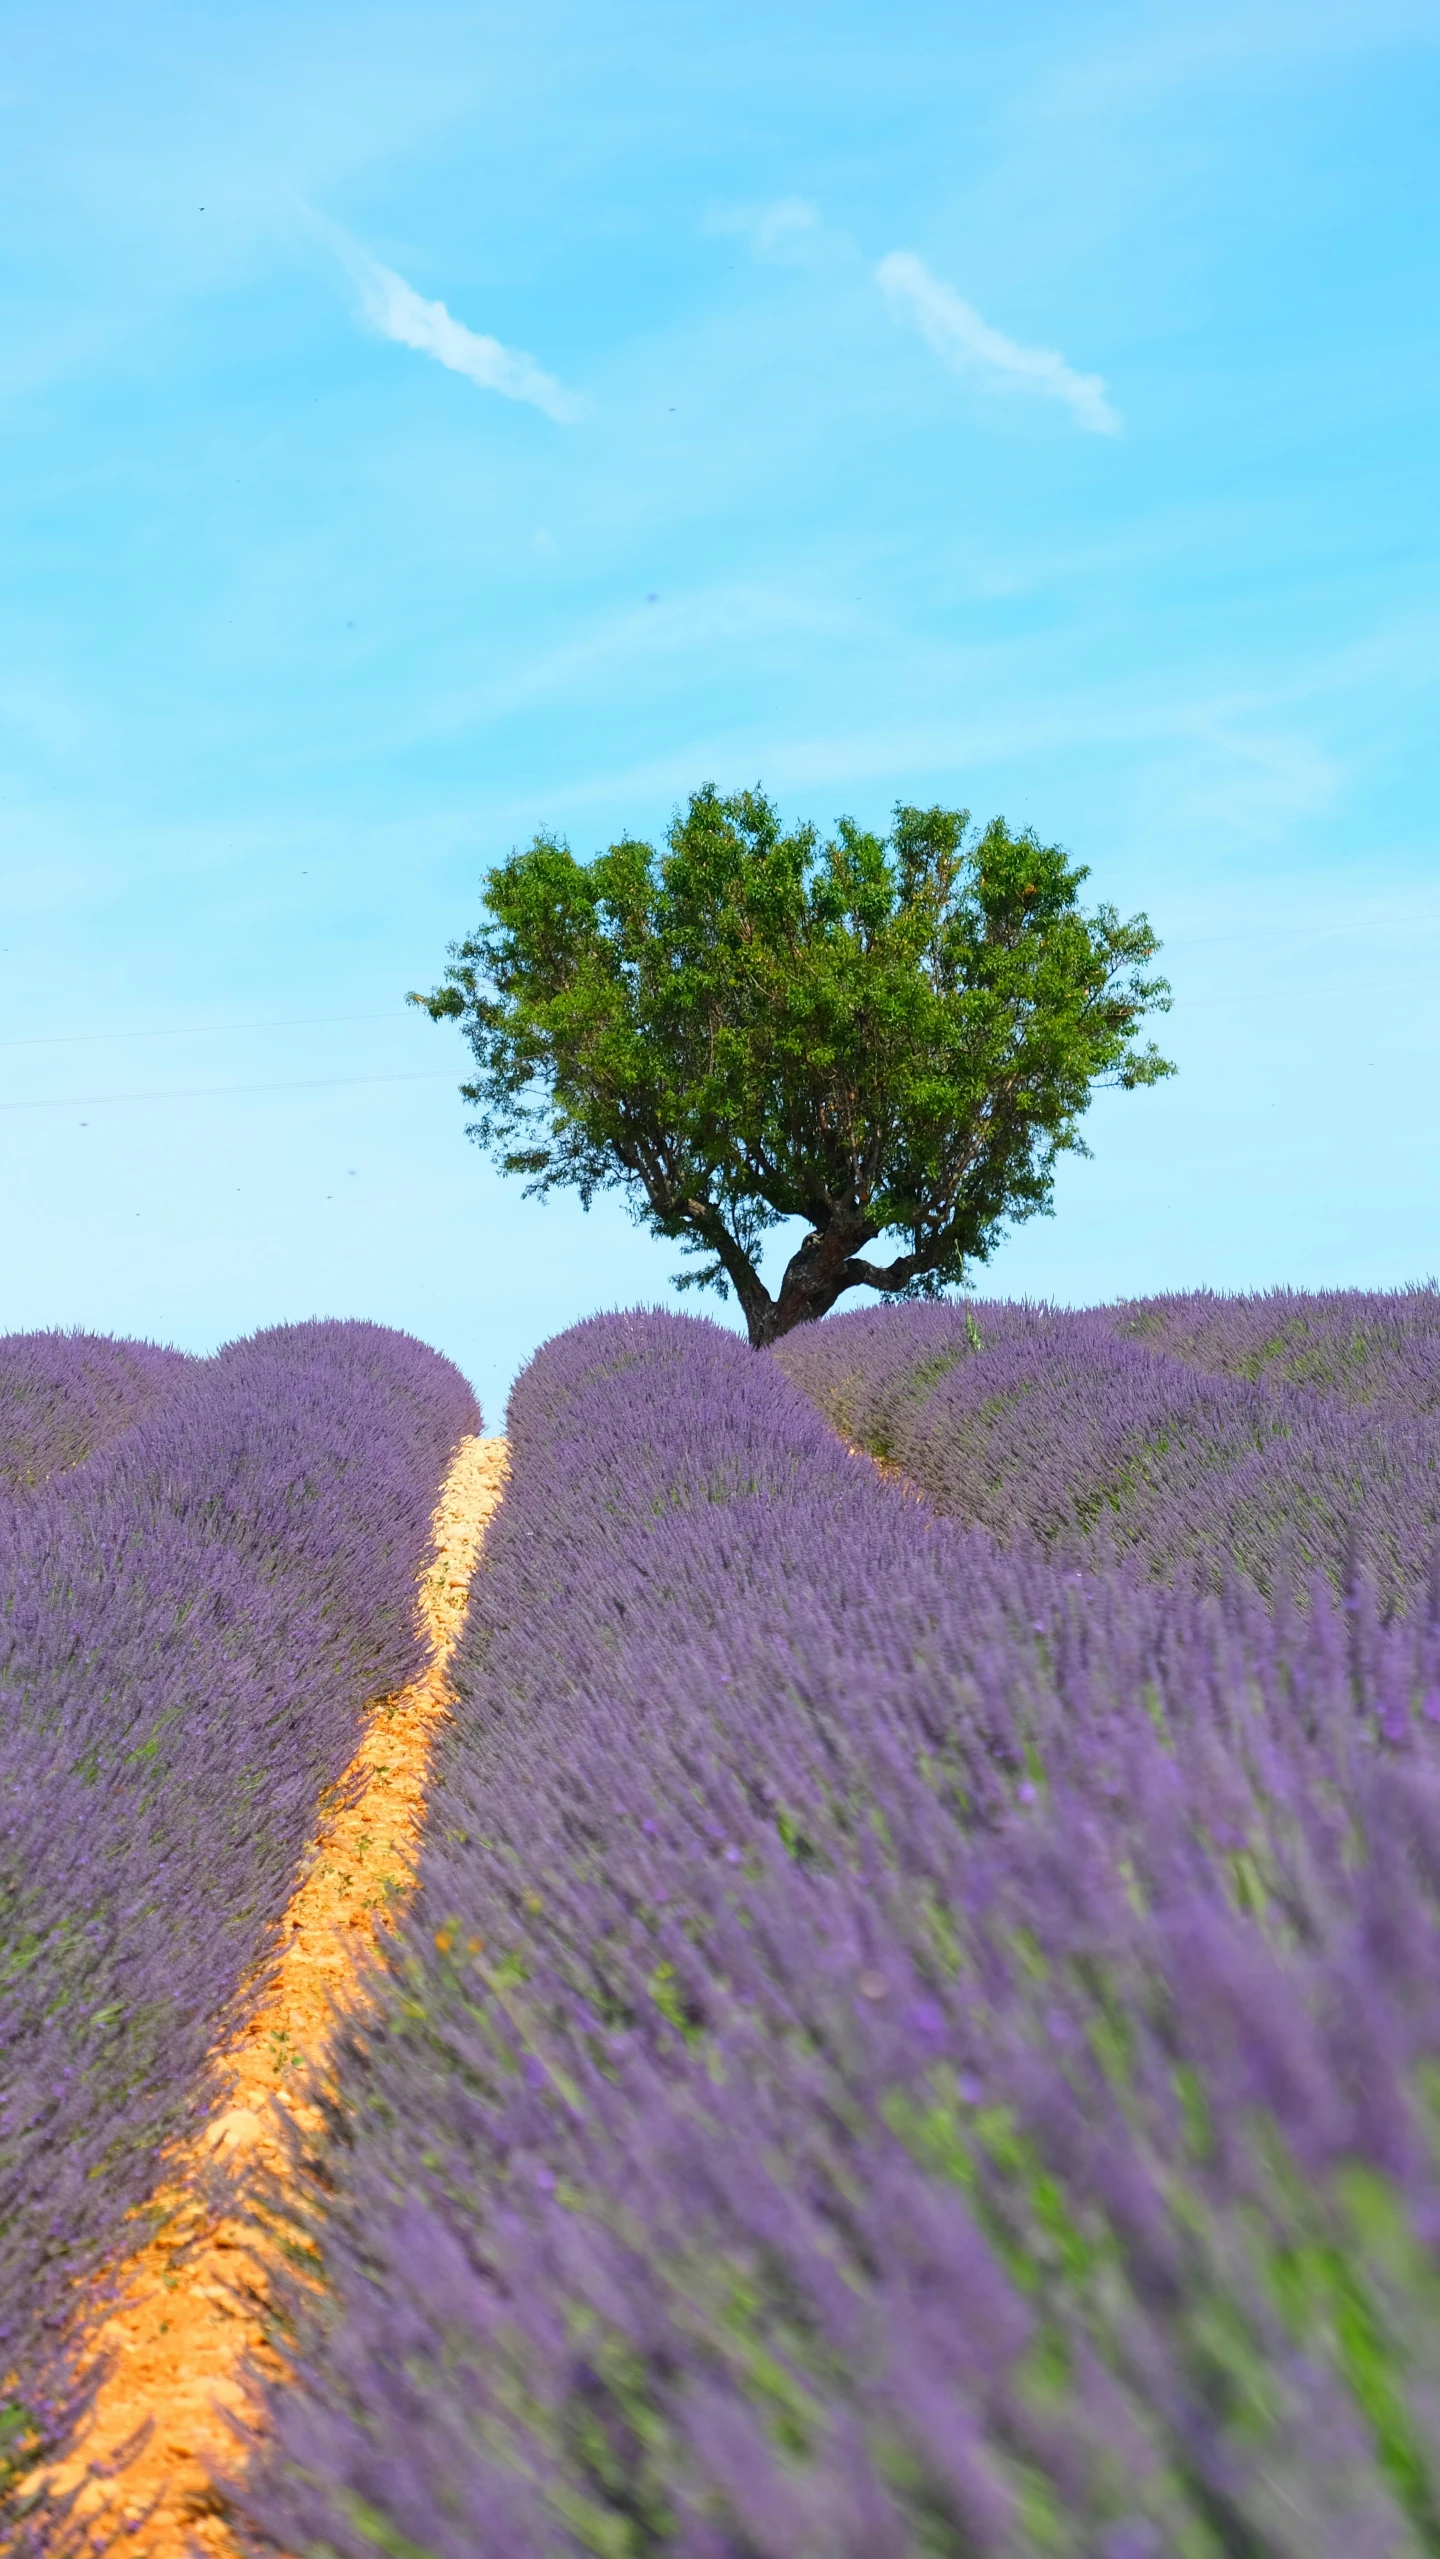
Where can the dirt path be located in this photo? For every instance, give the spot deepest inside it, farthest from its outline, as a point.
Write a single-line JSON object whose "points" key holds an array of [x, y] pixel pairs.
{"points": [[183, 2326]]}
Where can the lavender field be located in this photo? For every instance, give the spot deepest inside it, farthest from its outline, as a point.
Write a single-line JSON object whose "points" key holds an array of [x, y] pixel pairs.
{"points": [[1188, 1438], [919, 2032], [207, 1568], [920, 2028], [64, 1395]]}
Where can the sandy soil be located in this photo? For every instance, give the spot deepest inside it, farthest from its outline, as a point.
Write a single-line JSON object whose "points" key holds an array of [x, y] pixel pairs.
{"points": [[191, 2306]]}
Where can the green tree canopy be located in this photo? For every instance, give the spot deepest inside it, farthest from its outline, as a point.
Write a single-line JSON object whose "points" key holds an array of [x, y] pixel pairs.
{"points": [[885, 1036]]}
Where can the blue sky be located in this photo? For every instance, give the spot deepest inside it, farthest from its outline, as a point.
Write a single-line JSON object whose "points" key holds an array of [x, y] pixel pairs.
{"points": [[424, 425]]}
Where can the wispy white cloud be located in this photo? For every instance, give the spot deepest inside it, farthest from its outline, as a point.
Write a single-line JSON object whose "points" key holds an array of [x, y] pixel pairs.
{"points": [[395, 310], [784, 231], [1146, 62], [956, 331]]}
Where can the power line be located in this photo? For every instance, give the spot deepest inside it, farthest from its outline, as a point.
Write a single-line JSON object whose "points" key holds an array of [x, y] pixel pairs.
{"points": [[204, 1031], [1260, 994], [215, 1092]]}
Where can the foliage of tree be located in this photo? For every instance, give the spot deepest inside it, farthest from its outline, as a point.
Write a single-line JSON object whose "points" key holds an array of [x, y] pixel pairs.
{"points": [[884, 1036]]}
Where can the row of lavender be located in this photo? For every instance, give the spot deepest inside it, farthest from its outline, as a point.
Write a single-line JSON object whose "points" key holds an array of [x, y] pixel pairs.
{"points": [[193, 1611], [902, 2048], [1278, 1436], [65, 1395]]}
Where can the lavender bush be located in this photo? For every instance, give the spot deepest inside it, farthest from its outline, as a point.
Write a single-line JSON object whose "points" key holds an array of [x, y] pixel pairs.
{"points": [[900, 2049], [190, 1626], [64, 1395], [1083, 1431], [1366, 1348]]}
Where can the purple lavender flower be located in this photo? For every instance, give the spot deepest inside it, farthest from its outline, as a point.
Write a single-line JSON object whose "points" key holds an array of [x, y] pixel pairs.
{"points": [[65, 1395], [1029, 2144], [191, 1624]]}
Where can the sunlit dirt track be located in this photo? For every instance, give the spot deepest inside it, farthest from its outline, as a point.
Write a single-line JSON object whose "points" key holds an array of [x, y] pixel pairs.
{"points": [[190, 2310]]}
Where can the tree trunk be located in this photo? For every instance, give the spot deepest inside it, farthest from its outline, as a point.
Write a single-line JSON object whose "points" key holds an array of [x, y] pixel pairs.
{"points": [[826, 1265], [816, 1275]]}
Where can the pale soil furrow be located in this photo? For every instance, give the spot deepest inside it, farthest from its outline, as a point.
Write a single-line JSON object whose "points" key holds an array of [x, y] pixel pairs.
{"points": [[191, 2306]]}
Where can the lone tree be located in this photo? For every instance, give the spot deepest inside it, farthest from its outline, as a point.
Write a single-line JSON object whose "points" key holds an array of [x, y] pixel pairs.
{"points": [[882, 1035]]}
